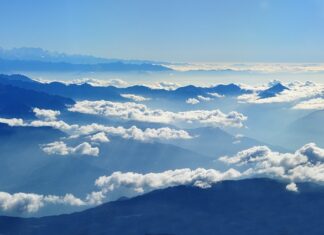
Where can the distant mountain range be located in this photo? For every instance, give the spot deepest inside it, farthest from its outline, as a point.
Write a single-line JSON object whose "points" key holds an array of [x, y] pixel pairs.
{"points": [[245, 207], [37, 59], [86, 91]]}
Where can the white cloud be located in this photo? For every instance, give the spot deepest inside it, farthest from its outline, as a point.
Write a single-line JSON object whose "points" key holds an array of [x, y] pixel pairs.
{"points": [[198, 99], [292, 187], [98, 83], [100, 137], [60, 148], [113, 186], [140, 112], [164, 86], [12, 121], [204, 98], [91, 129], [216, 95], [192, 101], [136, 98], [30, 202], [135, 133], [305, 165], [316, 104], [46, 114], [134, 183]]}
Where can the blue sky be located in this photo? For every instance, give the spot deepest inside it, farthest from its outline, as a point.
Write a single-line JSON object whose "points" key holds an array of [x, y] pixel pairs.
{"points": [[170, 30]]}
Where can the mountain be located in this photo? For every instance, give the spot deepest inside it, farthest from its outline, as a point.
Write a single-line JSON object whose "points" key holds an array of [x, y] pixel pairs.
{"points": [[245, 207], [306, 129], [19, 102], [83, 91], [34, 65], [39, 54], [215, 142], [273, 91], [86, 91]]}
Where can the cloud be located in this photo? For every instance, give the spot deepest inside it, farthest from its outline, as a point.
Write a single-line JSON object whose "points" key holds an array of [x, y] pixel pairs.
{"points": [[297, 91], [99, 137], [216, 95], [140, 112], [136, 98], [60, 148], [198, 99], [304, 165], [30, 202], [134, 183], [292, 187], [98, 83], [164, 86], [192, 101], [163, 133], [135, 133], [204, 98], [12, 121], [251, 67], [315, 104], [46, 114]]}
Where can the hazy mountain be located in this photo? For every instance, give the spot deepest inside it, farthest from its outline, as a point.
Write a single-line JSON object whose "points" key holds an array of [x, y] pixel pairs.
{"points": [[86, 91], [306, 129], [215, 142], [253, 206], [19, 102], [41, 55]]}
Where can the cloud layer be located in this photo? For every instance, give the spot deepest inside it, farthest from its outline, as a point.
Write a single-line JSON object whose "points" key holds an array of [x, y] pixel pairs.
{"points": [[140, 112]]}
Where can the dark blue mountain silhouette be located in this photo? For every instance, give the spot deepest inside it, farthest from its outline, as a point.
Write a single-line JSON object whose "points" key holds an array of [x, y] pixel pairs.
{"points": [[245, 207], [273, 91], [19, 102]]}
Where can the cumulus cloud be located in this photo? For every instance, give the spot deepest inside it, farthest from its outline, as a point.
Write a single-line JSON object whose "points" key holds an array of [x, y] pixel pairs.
{"points": [[12, 121], [134, 183], [164, 85], [30, 202], [192, 101], [136, 98], [100, 137], [163, 133], [198, 99], [314, 104], [304, 165], [46, 114], [60, 148], [140, 112], [136, 133], [292, 187]]}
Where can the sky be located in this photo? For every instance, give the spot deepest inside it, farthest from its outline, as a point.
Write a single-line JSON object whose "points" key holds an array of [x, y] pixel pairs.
{"points": [[169, 30]]}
